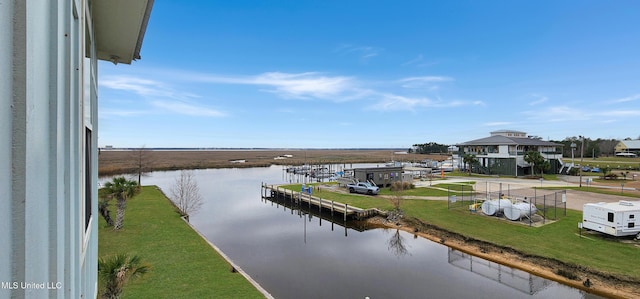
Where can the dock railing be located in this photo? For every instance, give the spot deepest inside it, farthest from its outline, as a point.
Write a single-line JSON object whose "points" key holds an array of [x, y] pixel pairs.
{"points": [[330, 205]]}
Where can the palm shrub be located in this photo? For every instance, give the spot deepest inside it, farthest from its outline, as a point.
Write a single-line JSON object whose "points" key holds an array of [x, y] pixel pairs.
{"points": [[469, 160], [114, 272], [103, 208], [537, 161], [122, 189]]}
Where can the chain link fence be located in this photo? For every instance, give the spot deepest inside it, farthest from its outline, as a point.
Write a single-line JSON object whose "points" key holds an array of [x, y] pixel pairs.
{"points": [[515, 202]]}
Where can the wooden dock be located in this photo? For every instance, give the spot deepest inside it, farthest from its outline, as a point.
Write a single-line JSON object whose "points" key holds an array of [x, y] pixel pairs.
{"points": [[348, 212]]}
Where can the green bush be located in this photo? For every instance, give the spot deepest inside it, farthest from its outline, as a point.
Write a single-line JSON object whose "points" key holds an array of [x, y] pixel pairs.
{"points": [[611, 176], [398, 186], [574, 171]]}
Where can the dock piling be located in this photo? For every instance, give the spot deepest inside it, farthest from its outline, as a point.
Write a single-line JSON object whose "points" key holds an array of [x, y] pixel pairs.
{"points": [[298, 198]]}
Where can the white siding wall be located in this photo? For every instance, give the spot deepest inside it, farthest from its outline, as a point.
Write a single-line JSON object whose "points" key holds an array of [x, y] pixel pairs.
{"points": [[503, 150], [42, 148], [6, 58]]}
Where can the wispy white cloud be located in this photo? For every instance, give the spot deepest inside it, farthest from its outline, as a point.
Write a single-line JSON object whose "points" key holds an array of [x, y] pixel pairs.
{"points": [[497, 124], [621, 113], [627, 99], [187, 108], [364, 53], [322, 86], [558, 114], [537, 99], [144, 87], [159, 95], [298, 86], [394, 102], [286, 110], [419, 61], [574, 116], [106, 112], [416, 60], [305, 84], [426, 82]]}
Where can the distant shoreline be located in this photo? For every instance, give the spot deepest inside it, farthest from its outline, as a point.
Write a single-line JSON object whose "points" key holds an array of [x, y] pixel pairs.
{"points": [[124, 161], [246, 149]]}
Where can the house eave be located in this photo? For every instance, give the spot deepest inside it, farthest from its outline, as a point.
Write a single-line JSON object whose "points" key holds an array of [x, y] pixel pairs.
{"points": [[119, 28]]}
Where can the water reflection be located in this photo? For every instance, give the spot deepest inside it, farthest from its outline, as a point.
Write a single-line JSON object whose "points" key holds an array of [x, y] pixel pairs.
{"points": [[397, 244], [517, 279], [309, 211], [300, 252], [424, 267]]}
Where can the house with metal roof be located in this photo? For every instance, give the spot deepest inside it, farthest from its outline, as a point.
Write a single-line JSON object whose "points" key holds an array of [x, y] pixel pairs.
{"points": [[503, 153], [628, 148]]}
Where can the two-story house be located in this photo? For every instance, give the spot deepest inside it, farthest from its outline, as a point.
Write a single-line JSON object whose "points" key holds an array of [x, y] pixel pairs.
{"points": [[503, 153]]}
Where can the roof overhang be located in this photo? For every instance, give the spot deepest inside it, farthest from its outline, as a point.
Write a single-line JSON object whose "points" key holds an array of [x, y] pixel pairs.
{"points": [[503, 140], [119, 27]]}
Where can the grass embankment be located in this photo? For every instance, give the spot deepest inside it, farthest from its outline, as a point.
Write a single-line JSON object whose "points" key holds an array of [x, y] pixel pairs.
{"points": [[183, 264], [559, 240]]}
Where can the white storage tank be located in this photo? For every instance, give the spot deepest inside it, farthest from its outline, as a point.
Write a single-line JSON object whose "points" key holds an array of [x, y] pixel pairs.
{"points": [[519, 210], [495, 206]]}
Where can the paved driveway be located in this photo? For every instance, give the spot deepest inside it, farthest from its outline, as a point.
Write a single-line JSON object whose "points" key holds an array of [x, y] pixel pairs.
{"points": [[521, 188]]}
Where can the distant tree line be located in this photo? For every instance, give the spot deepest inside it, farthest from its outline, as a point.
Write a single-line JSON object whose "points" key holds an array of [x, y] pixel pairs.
{"points": [[592, 148], [429, 148]]}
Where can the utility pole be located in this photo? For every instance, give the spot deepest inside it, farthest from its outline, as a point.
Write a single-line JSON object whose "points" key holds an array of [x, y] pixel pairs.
{"points": [[581, 156], [581, 149]]}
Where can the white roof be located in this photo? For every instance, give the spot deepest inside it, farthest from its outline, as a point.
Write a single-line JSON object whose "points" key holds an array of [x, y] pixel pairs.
{"points": [[631, 144], [620, 206]]}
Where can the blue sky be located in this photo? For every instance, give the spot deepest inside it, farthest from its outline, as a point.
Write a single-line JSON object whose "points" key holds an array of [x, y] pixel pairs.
{"points": [[361, 74]]}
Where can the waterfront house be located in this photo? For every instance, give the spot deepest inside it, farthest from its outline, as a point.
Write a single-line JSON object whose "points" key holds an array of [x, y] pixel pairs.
{"points": [[502, 153], [48, 137], [628, 148]]}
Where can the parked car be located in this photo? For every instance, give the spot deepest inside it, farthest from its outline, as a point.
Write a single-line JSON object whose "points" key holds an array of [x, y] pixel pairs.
{"points": [[364, 188], [586, 168], [595, 169]]}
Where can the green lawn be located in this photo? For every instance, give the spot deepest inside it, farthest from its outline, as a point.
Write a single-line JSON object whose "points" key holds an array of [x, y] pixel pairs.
{"points": [[559, 240], [183, 264], [616, 164], [457, 173], [608, 191]]}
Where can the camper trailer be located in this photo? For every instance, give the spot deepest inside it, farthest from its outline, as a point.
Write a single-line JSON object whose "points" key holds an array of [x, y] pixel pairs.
{"points": [[613, 218]]}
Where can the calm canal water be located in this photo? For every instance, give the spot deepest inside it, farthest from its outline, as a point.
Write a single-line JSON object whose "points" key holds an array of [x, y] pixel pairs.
{"points": [[293, 255]]}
